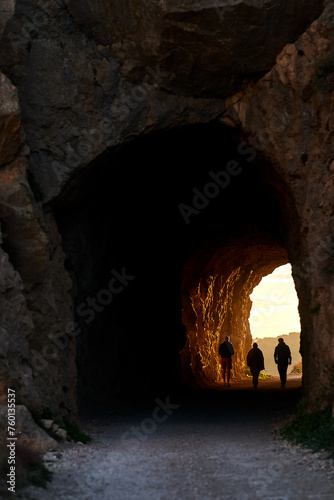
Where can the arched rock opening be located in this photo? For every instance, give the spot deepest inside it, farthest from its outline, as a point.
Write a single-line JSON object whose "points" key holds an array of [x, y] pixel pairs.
{"points": [[216, 288], [190, 211]]}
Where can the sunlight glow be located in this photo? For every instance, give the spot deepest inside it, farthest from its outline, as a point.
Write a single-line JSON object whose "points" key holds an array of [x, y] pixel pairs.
{"points": [[275, 305]]}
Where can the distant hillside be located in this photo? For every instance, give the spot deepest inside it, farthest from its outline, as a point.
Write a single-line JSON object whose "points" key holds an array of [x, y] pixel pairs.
{"points": [[267, 346]]}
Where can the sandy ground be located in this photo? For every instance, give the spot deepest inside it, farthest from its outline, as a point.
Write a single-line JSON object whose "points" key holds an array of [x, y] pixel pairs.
{"points": [[204, 445]]}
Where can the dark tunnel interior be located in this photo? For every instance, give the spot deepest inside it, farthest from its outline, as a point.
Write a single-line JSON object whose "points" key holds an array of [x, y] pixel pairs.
{"points": [[127, 238]]}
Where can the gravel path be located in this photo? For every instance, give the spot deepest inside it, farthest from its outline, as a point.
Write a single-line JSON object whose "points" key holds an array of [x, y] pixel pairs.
{"points": [[214, 445]]}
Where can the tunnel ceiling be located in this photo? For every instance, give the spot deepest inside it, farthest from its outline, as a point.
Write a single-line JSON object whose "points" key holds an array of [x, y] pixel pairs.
{"points": [[201, 48], [131, 215]]}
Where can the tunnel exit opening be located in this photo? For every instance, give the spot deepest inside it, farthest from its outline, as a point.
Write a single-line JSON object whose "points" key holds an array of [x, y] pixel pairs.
{"points": [[274, 315], [192, 210]]}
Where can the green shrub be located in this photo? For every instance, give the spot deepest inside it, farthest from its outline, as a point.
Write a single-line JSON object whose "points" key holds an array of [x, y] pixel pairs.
{"points": [[297, 369], [39, 476], [312, 429], [75, 433], [262, 376]]}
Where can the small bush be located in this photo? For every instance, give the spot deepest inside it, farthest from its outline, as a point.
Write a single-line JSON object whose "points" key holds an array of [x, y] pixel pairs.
{"points": [[262, 376], [75, 433], [39, 476], [297, 369], [29, 469], [312, 429]]}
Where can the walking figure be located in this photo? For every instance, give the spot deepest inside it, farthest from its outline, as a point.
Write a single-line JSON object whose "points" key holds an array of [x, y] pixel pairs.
{"points": [[226, 352], [255, 361], [283, 358]]}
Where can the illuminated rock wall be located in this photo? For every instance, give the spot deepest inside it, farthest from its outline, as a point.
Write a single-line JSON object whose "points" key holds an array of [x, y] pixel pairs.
{"points": [[215, 293]]}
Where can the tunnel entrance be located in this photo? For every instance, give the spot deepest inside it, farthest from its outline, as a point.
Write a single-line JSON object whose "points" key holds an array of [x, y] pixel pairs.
{"points": [[164, 241]]}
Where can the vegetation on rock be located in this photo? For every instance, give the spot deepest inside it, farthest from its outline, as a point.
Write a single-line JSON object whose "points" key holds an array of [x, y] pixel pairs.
{"points": [[313, 429]]}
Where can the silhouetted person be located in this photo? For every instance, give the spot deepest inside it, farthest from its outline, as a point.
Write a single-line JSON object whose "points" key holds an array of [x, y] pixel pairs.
{"points": [[283, 358], [255, 361], [226, 352]]}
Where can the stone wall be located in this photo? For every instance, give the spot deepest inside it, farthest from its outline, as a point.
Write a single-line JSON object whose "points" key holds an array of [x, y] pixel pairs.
{"points": [[34, 303], [288, 116]]}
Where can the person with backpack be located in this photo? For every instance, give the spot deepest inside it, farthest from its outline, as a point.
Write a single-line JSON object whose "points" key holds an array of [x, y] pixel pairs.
{"points": [[226, 352], [283, 358]]}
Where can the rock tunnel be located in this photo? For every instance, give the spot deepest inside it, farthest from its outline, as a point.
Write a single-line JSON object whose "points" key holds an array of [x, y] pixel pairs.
{"points": [[164, 245], [165, 226]]}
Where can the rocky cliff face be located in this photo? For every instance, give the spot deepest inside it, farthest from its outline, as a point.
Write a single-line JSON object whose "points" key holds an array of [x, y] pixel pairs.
{"points": [[111, 123], [33, 282], [199, 48], [34, 287], [288, 115]]}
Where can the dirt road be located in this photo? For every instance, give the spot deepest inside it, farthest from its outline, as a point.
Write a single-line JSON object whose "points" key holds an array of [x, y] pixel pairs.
{"points": [[204, 445]]}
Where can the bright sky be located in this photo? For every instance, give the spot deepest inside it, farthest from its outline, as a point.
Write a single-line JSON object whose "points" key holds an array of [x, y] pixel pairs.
{"points": [[275, 305]]}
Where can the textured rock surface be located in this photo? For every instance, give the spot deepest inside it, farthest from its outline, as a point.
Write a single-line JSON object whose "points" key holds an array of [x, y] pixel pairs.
{"points": [[16, 326], [34, 291], [7, 9], [9, 106], [202, 48], [34, 303], [288, 116], [81, 104], [85, 64], [10, 123], [27, 432], [25, 240]]}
